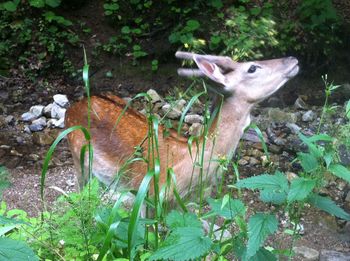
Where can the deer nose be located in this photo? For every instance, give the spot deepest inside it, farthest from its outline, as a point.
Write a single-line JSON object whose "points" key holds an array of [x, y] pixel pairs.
{"points": [[290, 59]]}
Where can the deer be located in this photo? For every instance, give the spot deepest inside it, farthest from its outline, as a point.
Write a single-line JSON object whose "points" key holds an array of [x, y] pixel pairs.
{"points": [[244, 83]]}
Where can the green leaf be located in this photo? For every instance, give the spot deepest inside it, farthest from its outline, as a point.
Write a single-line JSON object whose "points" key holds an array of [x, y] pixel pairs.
{"points": [[10, 6], [184, 243], [53, 3], [37, 3], [340, 171], [15, 250], [262, 255], [255, 10], [125, 29], [233, 208], [308, 161], [176, 219], [192, 25], [326, 204], [276, 182], [274, 197], [216, 3], [328, 158], [347, 110], [259, 227], [300, 188], [6, 221]]}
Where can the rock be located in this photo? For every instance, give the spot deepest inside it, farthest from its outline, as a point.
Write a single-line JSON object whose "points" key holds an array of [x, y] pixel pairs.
{"points": [[306, 253], [38, 124], [308, 116], [42, 138], [127, 99], [26, 129], [251, 135], [274, 148], [193, 118], [218, 233], [9, 119], [195, 129], [16, 153], [253, 161], [197, 108], [300, 104], [154, 96], [34, 157], [341, 185], [37, 110], [57, 112], [61, 100], [28, 116], [180, 104], [293, 127], [54, 123], [291, 175], [344, 155], [347, 198], [47, 110], [20, 140], [331, 255], [171, 113], [277, 115], [243, 162]]}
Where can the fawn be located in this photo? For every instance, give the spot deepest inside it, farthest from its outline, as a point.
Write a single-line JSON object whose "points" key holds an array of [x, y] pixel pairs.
{"points": [[245, 83]]}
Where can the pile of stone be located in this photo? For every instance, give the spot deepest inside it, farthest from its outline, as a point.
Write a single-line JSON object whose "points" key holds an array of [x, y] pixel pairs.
{"points": [[193, 120], [52, 115]]}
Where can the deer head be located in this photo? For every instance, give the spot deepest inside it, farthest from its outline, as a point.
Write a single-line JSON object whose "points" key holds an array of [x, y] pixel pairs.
{"points": [[250, 81]]}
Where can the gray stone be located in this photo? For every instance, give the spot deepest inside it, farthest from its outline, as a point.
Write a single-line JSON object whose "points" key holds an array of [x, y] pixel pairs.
{"points": [[54, 123], [154, 96], [47, 110], [293, 127], [253, 161], [347, 199], [9, 119], [57, 112], [344, 155], [307, 253], [243, 162], [180, 104], [197, 108], [37, 110], [300, 104], [193, 118], [171, 113], [61, 100], [308, 116], [38, 124], [34, 157], [218, 234], [277, 115], [195, 129], [28, 116], [330, 255], [26, 129]]}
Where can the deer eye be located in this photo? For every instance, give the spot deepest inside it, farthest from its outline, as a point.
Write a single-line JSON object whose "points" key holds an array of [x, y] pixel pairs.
{"points": [[252, 69]]}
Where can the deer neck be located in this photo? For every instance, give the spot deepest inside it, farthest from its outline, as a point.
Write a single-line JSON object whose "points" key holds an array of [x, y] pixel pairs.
{"points": [[230, 124]]}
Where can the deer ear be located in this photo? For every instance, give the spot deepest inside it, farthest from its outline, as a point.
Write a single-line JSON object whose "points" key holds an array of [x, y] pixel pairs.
{"points": [[210, 69]]}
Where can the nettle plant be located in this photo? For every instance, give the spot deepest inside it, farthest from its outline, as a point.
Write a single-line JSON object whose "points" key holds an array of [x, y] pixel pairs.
{"points": [[38, 39]]}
